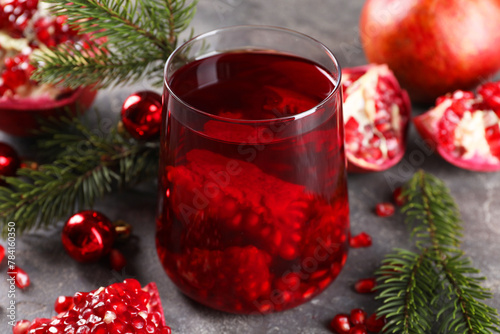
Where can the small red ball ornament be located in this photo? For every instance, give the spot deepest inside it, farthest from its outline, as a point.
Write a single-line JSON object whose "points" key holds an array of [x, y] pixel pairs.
{"points": [[88, 236], [141, 115], [9, 161]]}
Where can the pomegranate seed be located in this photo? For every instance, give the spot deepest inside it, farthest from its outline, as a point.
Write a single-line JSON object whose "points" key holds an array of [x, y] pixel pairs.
{"points": [[117, 260], [22, 279], [365, 285], [340, 324], [374, 324], [384, 209], [358, 329], [358, 316], [398, 197], [2, 253], [361, 240], [21, 327], [63, 304]]}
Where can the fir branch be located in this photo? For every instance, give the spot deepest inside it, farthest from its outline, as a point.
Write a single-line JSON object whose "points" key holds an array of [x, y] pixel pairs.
{"points": [[87, 165], [437, 285], [130, 41]]}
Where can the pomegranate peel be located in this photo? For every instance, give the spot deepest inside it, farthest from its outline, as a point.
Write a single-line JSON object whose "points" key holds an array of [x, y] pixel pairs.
{"points": [[465, 128], [119, 308], [376, 117]]}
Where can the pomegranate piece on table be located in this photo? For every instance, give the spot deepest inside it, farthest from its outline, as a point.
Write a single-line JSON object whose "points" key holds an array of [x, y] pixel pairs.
{"points": [[465, 128], [25, 28], [119, 308], [376, 117]]}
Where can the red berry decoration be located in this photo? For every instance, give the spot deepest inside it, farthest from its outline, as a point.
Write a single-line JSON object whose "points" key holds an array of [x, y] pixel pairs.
{"points": [[375, 323], [384, 209], [9, 161], [365, 285], [88, 236], [22, 280], [2, 253], [141, 115], [357, 316], [361, 240], [340, 324], [119, 308]]}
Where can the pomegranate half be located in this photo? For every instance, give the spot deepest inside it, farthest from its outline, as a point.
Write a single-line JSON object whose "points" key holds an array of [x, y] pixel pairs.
{"points": [[25, 28], [465, 128], [119, 308], [376, 116]]}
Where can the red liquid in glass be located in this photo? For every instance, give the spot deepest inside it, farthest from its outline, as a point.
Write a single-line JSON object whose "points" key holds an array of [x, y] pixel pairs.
{"points": [[251, 219]]}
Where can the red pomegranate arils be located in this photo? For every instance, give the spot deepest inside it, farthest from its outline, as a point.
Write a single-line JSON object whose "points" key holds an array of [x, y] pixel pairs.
{"points": [[384, 209], [398, 196], [21, 327], [116, 309], [63, 304], [361, 240], [357, 316], [340, 324], [375, 323], [2, 253], [365, 285], [358, 329], [22, 279], [117, 260]]}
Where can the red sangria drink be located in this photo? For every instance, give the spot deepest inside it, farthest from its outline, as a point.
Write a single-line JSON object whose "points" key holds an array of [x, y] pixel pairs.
{"points": [[253, 213]]}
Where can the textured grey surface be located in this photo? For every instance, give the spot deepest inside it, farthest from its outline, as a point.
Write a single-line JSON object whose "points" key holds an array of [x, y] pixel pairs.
{"points": [[334, 23]]}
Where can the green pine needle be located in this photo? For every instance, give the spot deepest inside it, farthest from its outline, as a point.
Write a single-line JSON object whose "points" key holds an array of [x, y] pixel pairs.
{"points": [[434, 290], [130, 41], [87, 165]]}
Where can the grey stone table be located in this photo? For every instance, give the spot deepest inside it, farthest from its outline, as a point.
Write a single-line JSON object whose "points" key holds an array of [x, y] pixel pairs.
{"points": [[334, 23]]}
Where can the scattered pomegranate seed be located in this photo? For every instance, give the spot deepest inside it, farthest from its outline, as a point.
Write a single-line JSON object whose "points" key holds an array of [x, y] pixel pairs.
{"points": [[358, 316], [22, 279], [2, 253], [361, 240], [117, 260], [358, 329], [384, 209], [398, 196], [365, 285], [340, 324], [21, 327], [374, 324], [63, 304]]}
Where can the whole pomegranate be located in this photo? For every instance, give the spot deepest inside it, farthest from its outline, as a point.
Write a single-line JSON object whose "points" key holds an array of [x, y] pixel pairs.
{"points": [[376, 116], [433, 47], [26, 27], [465, 128]]}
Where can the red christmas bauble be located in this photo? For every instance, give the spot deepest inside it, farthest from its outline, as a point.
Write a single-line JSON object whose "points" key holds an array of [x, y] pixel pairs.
{"points": [[88, 236], [9, 161], [141, 115]]}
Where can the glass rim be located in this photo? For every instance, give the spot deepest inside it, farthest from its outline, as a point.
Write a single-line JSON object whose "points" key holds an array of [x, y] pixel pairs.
{"points": [[305, 113]]}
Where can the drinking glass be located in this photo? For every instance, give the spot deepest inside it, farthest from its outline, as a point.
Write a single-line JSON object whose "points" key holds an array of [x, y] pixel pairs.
{"points": [[253, 212]]}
